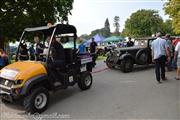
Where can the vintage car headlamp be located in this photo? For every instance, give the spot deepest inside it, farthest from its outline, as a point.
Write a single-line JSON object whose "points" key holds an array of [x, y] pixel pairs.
{"points": [[118, 53], [8, 73]]}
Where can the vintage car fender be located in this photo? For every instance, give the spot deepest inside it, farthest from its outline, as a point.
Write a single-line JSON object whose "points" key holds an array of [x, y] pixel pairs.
{"points": [[126, 56]]}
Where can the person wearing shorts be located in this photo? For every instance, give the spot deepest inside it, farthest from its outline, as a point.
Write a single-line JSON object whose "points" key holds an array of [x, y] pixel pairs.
{"points": [[177, 57]]}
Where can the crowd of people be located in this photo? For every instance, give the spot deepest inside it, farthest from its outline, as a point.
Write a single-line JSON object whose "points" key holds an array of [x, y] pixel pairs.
{"points": [[166, 51]]}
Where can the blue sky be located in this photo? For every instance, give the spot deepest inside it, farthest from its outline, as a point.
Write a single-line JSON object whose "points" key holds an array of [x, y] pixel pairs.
{"points": [[88, 15]]}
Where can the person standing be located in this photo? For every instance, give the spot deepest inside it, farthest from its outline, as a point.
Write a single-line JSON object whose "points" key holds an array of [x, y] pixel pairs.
{"points": [[130, 43], [170, 47], [82, 47], [174, 43], [159, 51], [4, 60], [177, 58], [93, 47]]}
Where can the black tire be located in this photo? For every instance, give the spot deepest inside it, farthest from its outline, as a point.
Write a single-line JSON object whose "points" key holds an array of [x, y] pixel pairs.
{"points": [[40, 93], [126, 65], [142, 57], [108, 63], [85, 81], [5, 101]]}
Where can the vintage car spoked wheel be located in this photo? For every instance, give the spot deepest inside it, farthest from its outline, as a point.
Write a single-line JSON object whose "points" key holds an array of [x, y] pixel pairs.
{"points": [[37, 100], [126, 65], [85, 81], [108, 63], [142, 57]]}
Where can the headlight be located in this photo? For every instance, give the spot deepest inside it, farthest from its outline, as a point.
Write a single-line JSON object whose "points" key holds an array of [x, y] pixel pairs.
{"points": [[8, 73], [18, 82], [118, 53]]}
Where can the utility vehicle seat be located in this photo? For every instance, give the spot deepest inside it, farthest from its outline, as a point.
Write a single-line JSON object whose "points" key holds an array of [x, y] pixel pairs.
{"points": [[68, 55]]}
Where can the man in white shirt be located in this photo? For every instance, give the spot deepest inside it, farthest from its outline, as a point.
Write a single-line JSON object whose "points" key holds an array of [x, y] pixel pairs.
{"points": [[159, 52], [177, 57]]}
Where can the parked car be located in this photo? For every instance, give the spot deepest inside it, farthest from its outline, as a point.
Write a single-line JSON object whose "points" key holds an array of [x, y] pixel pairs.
{"points": [[125, 58]]}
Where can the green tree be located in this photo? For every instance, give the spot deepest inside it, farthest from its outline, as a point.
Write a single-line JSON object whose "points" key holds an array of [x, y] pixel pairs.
{"points": [[15, 15], [116, 25], [85, 36], [167, 27], [94, 32], [143, 23], [172, 7], [106, 30]]}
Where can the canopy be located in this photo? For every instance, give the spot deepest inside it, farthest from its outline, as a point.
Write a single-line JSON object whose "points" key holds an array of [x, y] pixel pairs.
{"points": [[60, 29], [97, 38], [113, 39]]}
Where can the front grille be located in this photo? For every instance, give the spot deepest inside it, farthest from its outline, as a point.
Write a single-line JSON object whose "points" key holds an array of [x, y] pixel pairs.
{"points": [[2, 81], [6, 82], [5, 90]]}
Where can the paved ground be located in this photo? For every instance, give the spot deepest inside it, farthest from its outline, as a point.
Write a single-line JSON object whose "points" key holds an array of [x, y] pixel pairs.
{"points": [[114, 95]]}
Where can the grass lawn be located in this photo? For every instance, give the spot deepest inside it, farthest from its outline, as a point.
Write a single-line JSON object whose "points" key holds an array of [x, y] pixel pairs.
{"points": [[101, 58]]}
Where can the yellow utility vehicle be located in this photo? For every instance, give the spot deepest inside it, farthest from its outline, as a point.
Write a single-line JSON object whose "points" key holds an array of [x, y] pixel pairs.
{"points": [[31, 80]]}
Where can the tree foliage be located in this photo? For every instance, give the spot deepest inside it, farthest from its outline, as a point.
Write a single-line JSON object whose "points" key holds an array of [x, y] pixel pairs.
{"points": [[15, 15], [106, 30], [173, 9], [143, 23], [167, 27], [116, 25]]}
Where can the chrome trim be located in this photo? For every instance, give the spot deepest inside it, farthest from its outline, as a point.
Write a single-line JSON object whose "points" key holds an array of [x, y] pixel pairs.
{"points": [[3, 92], [2, 86]]}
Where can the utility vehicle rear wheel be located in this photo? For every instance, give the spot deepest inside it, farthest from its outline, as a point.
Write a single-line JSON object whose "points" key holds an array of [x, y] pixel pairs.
{"points": [[85, 81]]}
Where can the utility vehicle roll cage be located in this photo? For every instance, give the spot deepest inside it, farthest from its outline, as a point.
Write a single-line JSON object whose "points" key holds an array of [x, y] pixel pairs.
{"points": [[52, 31]]}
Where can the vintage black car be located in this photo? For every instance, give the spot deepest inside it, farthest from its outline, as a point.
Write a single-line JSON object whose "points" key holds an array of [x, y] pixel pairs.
{"points": [[125, 58]]}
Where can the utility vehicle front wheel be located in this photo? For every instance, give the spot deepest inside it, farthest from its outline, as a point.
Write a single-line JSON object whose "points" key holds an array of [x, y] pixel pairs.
{"points": [[85, 81], [4, 101], [37, 100]]}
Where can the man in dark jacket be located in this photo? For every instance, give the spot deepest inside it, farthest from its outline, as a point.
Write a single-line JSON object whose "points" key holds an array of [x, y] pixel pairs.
{"points": [[93, 47], [57, 57], [130, 43]]}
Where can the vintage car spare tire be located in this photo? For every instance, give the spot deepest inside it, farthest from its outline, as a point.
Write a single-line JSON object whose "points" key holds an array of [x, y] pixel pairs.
{"points": [[109, 62], [141, 57], [126, 65]]}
